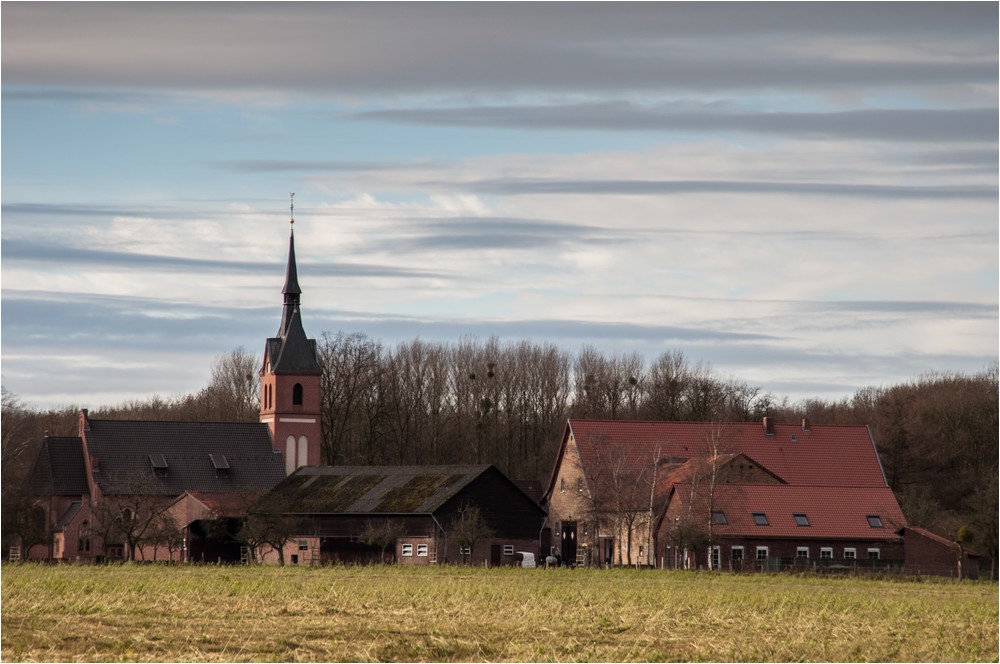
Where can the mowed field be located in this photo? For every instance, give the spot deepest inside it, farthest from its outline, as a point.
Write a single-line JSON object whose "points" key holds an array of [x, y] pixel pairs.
{"points": [[158, 613]]}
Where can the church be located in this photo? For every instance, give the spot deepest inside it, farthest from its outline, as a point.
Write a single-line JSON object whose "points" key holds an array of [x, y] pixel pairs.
{"points": [[181, 491], [151, 490]]}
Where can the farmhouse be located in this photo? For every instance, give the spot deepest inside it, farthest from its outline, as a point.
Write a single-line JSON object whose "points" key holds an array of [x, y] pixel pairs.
{"points": [[416, 515], [738, 495]]}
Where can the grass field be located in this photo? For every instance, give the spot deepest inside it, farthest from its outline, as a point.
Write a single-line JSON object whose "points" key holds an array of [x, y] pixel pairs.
{"points": [[156, 613]]}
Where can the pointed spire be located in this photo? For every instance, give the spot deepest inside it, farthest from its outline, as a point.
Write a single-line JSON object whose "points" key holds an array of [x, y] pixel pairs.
{"points": [[291, 273], [291, 290]]}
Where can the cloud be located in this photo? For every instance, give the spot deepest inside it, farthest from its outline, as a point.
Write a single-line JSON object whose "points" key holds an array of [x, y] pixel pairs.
{"points": [[19, 251], [546, 47], [917, 125], [533, 186]]}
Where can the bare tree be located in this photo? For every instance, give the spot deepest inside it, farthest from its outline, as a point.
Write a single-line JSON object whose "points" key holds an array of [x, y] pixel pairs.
{"points": [[468, 528], [267, 524], [382, 534], [234, 388], [128, 517]]}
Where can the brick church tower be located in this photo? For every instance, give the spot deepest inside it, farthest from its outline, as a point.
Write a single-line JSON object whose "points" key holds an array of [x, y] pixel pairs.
{"points": [[290, 380]]}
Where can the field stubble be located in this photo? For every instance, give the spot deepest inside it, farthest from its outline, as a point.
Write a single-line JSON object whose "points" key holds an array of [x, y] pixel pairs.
{"points": [[157, 613]]}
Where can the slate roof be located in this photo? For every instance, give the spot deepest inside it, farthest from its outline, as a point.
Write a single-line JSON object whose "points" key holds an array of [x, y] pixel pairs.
{"points": [[823, 455], [531, 488], [123, 449], [59, 469], [833, 513], [67, 516], [293, 353], [374, 489]]}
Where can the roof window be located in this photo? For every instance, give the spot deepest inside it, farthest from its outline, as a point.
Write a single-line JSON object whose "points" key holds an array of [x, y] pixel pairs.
{"points": [[801, 519], [719, 518], [220, 463], [875, 521], [159, 464], [761, 519]]}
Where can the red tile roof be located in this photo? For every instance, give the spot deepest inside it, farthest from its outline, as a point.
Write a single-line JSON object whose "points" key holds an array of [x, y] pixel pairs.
{"points": [[823, 455], [833, 513]]}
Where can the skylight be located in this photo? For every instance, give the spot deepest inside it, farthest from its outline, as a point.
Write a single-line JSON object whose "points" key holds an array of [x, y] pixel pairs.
{"points": [[801, 519], [760, 519], [875, 521]]}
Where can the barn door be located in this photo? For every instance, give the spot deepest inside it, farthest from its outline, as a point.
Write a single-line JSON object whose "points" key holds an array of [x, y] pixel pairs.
{"points": [[569, 542], [495, 555]]}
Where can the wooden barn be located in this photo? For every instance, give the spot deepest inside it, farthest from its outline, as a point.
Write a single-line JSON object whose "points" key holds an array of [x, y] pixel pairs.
{"points": [[415, 515]]}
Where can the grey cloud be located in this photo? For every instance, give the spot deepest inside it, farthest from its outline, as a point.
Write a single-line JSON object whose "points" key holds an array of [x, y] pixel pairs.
{"points": [[97, 211], [486, 46], [36, 326], [28, 251], [485, 233], [920, 125], [531, 186], [299, 166]]}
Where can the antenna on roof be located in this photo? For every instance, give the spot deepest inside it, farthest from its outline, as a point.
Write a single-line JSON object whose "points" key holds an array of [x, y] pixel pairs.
{"points": [[291, 209]]}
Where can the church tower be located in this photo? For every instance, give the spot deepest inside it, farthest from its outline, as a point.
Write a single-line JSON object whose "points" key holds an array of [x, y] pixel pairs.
{"points": [[290, 379]]}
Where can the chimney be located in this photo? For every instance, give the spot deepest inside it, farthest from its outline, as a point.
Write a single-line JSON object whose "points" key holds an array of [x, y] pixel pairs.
{"points": [[84, 421], [768, 426], [805, 425]]}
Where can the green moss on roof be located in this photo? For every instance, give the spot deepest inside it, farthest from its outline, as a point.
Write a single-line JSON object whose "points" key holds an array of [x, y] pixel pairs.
{"points": [[334, 493], [415, 492]]}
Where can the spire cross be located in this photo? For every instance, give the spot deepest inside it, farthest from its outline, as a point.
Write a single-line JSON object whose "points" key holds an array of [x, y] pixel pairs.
{"points": [[291, 208]]}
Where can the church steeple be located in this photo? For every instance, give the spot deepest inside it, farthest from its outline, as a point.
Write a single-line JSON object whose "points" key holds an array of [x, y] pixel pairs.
{"points": [[292, 292], [290, 378]]}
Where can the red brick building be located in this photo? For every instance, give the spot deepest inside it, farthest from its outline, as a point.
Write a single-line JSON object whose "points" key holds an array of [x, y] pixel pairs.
{"points": [[737, 495], [176, 475], [927, 553]]}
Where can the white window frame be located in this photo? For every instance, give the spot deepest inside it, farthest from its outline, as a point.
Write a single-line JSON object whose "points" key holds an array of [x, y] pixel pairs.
{"points": [[765, 551], [422, 550], [508, 549], [733, 550], [826, 553], [877, 552], [850, 550], [799, 550], [303, 545], [406, 549], [464, 550], [714, 557]]}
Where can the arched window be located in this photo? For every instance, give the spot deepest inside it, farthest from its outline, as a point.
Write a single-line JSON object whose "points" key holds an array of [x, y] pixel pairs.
{"points": [[289, 455], [297, 394], [84, 543], [303, 452]]}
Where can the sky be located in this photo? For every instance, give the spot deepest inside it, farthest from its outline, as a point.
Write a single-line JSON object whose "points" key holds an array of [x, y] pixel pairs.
{"points": [[802, 196]]}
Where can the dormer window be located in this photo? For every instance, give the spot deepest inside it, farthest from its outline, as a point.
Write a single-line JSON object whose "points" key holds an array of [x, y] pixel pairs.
{"points": [[297, 394], [159, 464], [220, 463]]}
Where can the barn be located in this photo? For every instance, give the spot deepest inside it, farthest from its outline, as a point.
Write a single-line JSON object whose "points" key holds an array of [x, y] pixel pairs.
{"points": [[415, 515]]}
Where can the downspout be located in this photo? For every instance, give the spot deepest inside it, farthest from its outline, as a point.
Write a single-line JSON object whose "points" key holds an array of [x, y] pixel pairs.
{"points": [[545, 521], [445, 535]]}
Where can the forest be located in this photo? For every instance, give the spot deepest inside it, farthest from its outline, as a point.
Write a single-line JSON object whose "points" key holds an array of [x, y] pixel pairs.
{"points": [[505, 403]]}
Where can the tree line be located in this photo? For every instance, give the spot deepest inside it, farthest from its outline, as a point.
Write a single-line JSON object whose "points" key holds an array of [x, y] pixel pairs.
{"points": [[506, 402]]}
